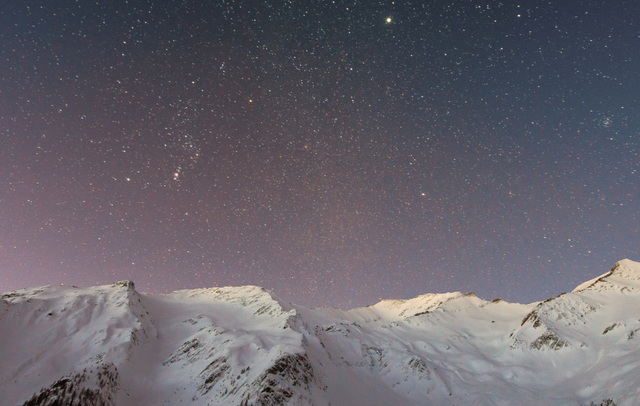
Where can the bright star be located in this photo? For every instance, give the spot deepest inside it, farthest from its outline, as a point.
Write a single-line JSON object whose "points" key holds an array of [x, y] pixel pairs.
{"points": [[388, 20]]}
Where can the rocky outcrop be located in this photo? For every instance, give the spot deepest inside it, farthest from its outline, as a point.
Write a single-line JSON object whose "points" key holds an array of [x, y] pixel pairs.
{"points": [[81, 389]]}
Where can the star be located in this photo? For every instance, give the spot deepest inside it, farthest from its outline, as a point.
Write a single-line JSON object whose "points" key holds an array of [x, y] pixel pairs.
{"points": [[470, 148]]}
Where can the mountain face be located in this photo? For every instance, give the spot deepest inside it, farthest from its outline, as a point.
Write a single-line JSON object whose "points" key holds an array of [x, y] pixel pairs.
{"points": [[111, 345]]}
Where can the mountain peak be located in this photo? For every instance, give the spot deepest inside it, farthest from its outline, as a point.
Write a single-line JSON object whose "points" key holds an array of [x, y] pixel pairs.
{"points": [[261, 300], [625, 272], [110, 345], [418, 305]]}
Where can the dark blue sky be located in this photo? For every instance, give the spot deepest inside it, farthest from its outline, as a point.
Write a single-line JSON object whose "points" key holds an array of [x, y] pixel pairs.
{"points": [[333, 152]]}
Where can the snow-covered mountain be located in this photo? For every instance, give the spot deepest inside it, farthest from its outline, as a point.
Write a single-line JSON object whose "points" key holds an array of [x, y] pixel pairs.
{"points": [[111, 345]]}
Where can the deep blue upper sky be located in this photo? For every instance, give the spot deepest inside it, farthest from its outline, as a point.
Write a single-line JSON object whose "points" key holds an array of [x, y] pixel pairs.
{"points": [[335, 153]]}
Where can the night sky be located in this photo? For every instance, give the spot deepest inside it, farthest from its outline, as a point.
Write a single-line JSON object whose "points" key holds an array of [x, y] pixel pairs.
{"points": [[334, 152]]}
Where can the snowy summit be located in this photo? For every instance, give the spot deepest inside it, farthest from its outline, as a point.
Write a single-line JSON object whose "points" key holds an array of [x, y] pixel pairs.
{"points": [[111, 345]]}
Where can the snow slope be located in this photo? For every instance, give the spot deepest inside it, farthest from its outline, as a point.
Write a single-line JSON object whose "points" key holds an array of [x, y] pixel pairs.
{"points": [[111, 345]]}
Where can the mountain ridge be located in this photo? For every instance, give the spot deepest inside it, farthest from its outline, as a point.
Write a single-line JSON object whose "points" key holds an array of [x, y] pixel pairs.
{"points": [[111, 345]]}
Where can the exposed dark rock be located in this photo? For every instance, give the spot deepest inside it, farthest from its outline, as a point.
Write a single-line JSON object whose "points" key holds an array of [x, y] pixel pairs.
{"points": [[280, 384], [605, 402], [188, 352], [125, 284], [418, 367], [73, 390], [550, 340], [212, 374], [374, 355], [532, 317], [611, 327]]}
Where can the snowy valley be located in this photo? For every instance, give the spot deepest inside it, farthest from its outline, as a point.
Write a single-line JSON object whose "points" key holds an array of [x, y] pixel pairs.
{"points": [[111, 345]]}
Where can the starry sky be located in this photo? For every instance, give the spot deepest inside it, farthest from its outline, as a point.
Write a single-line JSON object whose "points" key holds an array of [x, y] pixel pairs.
{"points": [[334, 152]]}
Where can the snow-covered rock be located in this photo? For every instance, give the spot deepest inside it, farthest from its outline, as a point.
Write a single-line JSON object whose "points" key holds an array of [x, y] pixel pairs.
{"points": [[110, 345]]}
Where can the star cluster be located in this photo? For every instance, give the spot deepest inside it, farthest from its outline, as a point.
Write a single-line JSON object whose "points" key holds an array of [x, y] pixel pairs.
{"points": [[334, 152]]}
